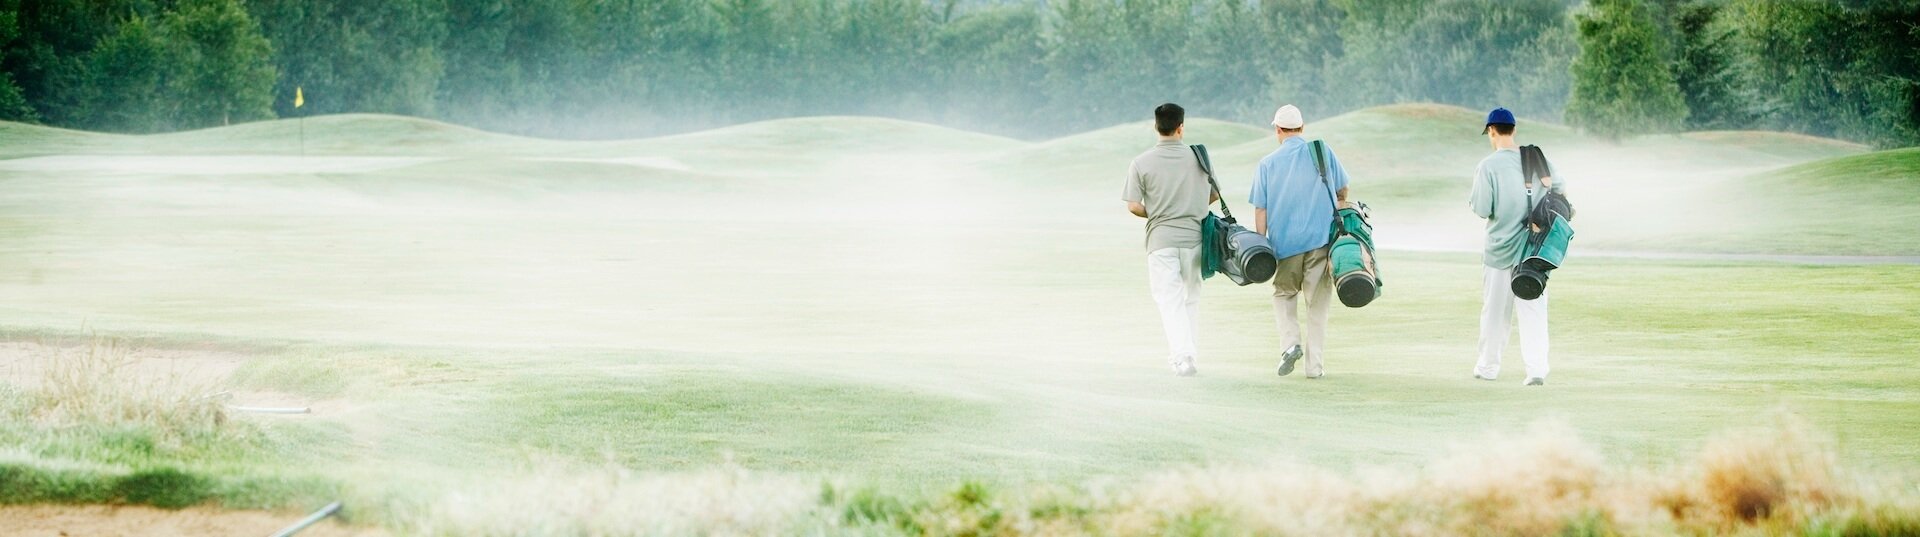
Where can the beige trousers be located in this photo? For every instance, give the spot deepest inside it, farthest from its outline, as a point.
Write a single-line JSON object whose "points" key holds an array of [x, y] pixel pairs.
{"points": [[1305, 274]]}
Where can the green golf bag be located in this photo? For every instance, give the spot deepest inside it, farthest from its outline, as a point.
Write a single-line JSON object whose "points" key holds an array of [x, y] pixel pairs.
{"points": [[1356, 273], [1227, 247], [1549, 230]]}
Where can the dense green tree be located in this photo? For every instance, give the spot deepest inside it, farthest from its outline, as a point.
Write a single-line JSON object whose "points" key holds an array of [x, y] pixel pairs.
{"points": [[1535, 82], [1831, 70], [990, 71], [1227, 63], [47, 59], [1303, 40], [594, 68], [1621, 84], [224, 66], [508, 64], [1704, 70], [129, 80], [13, 103], [355, 56]]}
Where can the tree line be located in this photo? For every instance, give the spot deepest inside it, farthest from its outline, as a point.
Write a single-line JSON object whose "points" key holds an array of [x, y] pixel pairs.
{"points": [[601, 68]]}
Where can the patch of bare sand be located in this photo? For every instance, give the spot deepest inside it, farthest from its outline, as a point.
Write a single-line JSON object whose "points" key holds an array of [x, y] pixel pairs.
{"points": [[128, 521], [25, 363]]}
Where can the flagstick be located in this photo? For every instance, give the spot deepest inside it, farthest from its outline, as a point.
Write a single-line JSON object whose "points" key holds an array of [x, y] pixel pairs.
{"points": [[303, 135]]}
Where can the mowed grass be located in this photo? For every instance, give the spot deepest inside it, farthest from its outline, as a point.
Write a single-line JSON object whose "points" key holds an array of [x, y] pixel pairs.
{"points": [[883, 306]]}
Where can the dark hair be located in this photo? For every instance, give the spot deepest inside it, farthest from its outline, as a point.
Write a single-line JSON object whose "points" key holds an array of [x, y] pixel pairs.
{"points": [[1284, 129], [1168, 117], [1505, 129]]}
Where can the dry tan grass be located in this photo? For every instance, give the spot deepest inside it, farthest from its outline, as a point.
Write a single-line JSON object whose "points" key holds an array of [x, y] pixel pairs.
{"points": [[616, 502], [103, 383], [1782, 479]]}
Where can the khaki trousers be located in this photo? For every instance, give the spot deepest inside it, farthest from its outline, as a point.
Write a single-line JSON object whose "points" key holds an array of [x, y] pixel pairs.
{"points": [[1305, 274]]}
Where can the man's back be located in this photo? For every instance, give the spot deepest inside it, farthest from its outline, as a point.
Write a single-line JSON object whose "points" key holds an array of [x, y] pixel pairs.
{"points": [[1500, 195], [1299, 207], [1168, 181]]}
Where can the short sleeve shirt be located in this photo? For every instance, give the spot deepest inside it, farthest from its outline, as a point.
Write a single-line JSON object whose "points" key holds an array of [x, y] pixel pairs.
{"points": [[1168, 181]]}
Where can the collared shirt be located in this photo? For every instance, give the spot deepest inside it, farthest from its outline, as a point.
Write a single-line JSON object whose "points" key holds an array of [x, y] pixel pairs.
{"points": [[1299, 205], [1500, 195], [1167, 179]]}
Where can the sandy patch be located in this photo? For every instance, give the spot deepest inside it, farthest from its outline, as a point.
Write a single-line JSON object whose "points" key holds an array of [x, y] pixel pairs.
{"points": [[25, 364], [118, 521], [206, 164]]}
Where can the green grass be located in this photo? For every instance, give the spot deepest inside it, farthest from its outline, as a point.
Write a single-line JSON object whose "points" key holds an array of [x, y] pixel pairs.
{"points": [[942, 322]]}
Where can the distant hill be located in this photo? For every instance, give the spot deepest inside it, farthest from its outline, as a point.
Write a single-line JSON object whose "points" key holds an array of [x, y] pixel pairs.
{"points": [[344, 134]]}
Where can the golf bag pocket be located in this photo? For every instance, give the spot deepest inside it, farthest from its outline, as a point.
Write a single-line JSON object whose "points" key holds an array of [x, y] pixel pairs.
{"points": [[1231, 249], [1356, 274], [1546, 250]]}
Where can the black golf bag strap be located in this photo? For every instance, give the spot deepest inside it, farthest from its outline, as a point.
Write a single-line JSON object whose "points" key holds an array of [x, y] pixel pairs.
{"points": [[1533, 164], [1206, 167], [1319, 149]]}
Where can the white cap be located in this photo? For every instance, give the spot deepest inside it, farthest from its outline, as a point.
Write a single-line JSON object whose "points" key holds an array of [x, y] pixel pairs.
{"points": [[1288, 117]]}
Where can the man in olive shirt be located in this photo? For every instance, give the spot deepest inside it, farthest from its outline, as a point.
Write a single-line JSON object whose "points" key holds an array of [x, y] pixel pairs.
{"points": [[1166, 187], [1500, 195]]}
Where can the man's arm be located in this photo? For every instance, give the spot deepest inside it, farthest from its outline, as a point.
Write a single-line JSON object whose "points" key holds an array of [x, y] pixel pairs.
{"points": [[1340, 179], [1133, 194], [1481, 200], [1260, 221]]}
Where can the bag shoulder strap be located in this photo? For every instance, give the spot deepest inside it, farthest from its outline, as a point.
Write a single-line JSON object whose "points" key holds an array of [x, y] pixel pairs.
{"points": [[1533, 165], [1319, 149], [1206, 167]]}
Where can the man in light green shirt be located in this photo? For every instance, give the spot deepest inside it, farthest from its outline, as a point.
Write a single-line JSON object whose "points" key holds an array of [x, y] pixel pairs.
{"points": [[1502, 197]]}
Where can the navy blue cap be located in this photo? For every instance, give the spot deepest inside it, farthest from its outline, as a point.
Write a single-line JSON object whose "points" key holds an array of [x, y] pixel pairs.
{"points": [[1499, 116]]}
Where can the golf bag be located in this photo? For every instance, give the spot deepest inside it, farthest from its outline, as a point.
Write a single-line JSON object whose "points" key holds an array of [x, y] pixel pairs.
{"points": [[1356, 274], [1228, 247], [1548, 229]]}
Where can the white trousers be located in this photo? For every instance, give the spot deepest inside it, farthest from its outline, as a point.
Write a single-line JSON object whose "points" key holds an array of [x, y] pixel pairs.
{"points": [[1174, 276], [1496, 321]]}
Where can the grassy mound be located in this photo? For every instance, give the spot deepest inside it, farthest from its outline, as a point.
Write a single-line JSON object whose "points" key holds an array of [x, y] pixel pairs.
{"points": [[1853, 205], [1101, 157], [853, 135], [23, 140], [1777, 144], [343, 134]]}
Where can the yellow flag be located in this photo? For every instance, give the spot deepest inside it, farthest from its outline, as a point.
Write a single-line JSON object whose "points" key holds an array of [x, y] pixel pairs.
{"points": [[298, 97]]}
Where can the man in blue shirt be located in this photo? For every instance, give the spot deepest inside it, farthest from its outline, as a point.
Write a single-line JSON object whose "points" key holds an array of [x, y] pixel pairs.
{"points": [[1293, 207]]}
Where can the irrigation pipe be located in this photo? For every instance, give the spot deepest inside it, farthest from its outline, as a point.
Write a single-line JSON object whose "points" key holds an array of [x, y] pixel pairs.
{"points": [[269, 409], [312, 519]]}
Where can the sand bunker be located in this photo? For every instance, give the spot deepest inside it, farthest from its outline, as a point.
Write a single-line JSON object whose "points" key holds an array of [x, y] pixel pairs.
{"points": [[117, 521]]}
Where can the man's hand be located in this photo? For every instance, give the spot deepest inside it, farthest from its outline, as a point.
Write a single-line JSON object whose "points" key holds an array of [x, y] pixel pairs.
{"points": [[1137, 208]]}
